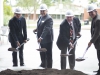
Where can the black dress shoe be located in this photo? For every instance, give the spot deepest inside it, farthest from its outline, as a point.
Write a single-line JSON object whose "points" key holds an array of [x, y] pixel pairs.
{"points": [[95, 71], [98, 73], [43, 66], [15, 65], [22, 65]]}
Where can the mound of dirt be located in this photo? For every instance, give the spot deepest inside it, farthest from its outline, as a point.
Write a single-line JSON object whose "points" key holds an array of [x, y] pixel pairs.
{"points": [[42, 72]]}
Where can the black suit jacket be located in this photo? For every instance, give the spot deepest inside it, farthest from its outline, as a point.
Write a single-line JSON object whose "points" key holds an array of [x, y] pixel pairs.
{"points": [[64, 34], [95, 32], [18, 31], [45, 29], [77, 21]]}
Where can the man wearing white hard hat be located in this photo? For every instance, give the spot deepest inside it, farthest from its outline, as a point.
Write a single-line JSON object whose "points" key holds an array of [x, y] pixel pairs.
{"points": [[45, 36], [95, 31], [69, 29], [17, 35]]}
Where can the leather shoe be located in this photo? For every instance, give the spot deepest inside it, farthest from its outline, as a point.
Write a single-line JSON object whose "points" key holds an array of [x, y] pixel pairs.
{"points": [[22, 65], [98, 73], [43, 66], [15, 65]]}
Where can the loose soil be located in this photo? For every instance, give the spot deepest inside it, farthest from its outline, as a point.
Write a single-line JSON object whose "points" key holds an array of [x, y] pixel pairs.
{"points": [[42, 72]]}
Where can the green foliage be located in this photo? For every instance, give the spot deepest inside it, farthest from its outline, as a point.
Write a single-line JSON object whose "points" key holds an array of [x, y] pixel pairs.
{"points": [[26, 4], [47, 2], [7, 9], [6, 20], [92, 1], [7, 13]]}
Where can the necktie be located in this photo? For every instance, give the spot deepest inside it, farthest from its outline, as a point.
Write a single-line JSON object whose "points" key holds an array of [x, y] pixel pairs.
{"points": [[71, 32]]}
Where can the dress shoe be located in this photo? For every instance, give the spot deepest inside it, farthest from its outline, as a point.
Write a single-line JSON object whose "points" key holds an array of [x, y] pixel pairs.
{"points": [[42, 66], [15, 65], [22, 65], [98, 73]]}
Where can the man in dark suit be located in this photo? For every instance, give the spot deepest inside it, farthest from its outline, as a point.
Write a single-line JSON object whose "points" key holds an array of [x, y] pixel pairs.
{"points": [[45, 36], [95, 31], [17, 35], [65, 39]]}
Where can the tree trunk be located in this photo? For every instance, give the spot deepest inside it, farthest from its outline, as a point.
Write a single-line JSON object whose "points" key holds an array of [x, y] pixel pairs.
{"points": [[34, 18]]}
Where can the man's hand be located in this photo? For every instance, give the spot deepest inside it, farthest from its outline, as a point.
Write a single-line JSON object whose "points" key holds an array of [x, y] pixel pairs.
{"points": [[25, 41], [71, 41], [34, 31], [18, 44], [39, 40], [89, 44], [78, 34], [71, 45]]}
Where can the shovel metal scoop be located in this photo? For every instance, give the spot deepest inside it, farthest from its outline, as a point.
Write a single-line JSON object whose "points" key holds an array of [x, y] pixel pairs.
{"points": [[82, 58], [41, 49], [71, 48], [17, 49]]}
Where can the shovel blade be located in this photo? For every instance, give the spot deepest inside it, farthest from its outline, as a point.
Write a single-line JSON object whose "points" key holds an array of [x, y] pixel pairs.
{"points": [[11, 49], [80, 59], [42, 49], [66, 55]]}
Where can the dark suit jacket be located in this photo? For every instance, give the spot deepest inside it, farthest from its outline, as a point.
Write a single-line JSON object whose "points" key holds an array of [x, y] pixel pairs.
{"points": [[77, 21], [18, 30], [64, 34], [45, 30], [95, 32]]}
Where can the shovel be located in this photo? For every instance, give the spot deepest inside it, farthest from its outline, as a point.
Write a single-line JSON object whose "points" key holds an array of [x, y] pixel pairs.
{"points": [[17, 49], [71, 48], [82, 58], [41, 49]]}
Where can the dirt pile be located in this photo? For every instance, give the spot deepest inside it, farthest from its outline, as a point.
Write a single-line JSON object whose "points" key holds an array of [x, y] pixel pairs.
{"points": [[42, 72]]}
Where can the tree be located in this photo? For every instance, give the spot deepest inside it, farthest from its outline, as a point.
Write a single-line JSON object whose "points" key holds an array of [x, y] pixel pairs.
{"points": [[92, 1], [7, 9], [7, 12], [47, 2], [30, 5]]}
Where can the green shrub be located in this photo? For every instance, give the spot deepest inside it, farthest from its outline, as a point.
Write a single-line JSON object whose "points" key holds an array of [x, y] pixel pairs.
{"points": [[6, 20]]}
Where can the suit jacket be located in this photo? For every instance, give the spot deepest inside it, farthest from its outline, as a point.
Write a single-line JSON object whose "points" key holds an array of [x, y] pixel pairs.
{"points": [[44, 29], [95, 32], [77, 21], [18, 31], [64, 34]]}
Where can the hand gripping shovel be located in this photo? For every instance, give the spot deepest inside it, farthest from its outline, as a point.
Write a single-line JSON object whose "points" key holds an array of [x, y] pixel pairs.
{"points": [[68, 54], [41, 49], [17, 49], [82, 58]]}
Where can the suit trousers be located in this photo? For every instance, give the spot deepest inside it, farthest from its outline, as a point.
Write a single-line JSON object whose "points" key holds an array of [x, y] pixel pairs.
{"points": [[46, 57], [98, 56], [14, 55], [70, 58]]}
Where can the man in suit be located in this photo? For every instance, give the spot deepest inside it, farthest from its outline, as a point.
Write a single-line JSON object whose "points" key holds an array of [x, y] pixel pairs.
{"points": [[45, 36], [66, 39], [95, 31], [17, 35]]}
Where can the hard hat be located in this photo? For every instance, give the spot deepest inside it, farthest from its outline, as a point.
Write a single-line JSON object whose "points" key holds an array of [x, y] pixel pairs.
{"points": [[43, 7], [91, 7], [69, 13], [17, 11]]}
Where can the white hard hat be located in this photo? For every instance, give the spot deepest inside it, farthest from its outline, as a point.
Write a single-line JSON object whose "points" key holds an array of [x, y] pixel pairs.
{"points": [[43, 7], [91, 7], [17, 11], [69, 13]]}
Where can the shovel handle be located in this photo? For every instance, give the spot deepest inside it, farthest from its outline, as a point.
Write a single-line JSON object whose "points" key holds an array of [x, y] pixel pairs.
{"points": [[73, 44], [85, 52], [22, 44]]}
